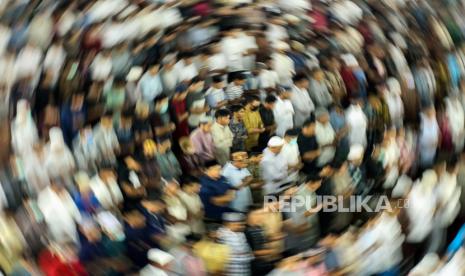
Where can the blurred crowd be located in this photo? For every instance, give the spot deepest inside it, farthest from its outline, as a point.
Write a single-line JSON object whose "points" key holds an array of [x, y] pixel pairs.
{"points": [[140, 137]]}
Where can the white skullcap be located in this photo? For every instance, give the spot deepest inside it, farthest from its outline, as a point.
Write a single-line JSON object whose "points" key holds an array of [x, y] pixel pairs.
{"points": [[349, 60], [356, 152], [281, 45], [134, 74], [275, 141], [160, 257]]}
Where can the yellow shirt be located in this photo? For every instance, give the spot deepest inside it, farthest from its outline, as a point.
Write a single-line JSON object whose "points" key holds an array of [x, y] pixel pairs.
{"points": [[215, 256], [252, 120]]}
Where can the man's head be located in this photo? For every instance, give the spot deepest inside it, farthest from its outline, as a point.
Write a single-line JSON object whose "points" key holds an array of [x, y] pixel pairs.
{"points": [[234, 221], [270, 102], [218, 82], [223, 117], [239, 159], [107, 120], [238, 79], [322, 115], [285, 92], [318, 74], [291, 136], [213, 170], [308, 128], [190, 184], [196, 85], [153, 205], [252, 103], [301, 81], [153, 69], [238, 112], [275, 144], [313, 182], [205, 124]]}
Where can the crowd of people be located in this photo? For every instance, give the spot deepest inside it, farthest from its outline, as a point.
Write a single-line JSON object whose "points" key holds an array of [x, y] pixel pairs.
{"points": [[141, 137]]}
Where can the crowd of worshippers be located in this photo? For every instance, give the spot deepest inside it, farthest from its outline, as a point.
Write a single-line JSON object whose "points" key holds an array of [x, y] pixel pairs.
{"points": [[141, 137]]}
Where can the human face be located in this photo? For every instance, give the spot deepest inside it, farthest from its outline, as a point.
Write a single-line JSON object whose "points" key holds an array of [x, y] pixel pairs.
{"points": [[106, 121], [206, 127], [275, 150], [240, 159], [313, 185], [308, 130], [213, 172], [154, 69], [224, 121], [324, 119], [239, 115], [218, 85], [255, 105], [235, 226]]}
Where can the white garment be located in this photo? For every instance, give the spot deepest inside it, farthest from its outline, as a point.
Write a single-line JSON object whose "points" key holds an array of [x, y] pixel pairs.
{"points": [[456, 116], [28, 62], [101, 68], [108, 194], [233, 49], [274, 171], [448, 196], [325, 136], [150, 270], [268, 79], [284, 67], [217, 62], [54, 60], [186, 72], [24, 133], [5, 35], [60, 214], [422, 204], [59, 161], [291, 153], [357, 122], [302, 104], [283, 115]]}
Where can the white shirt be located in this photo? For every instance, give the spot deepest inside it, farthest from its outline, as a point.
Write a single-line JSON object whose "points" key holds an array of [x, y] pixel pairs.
{"points": [[274, 171], [108, 194], [268, 79], [150, 270], [186, 72], [357, 122], [303, 105], [284, 116], [28, 62], [284, 67], [325, 135], [217, 62], [101, 67], [291, 152], [233, 48]]}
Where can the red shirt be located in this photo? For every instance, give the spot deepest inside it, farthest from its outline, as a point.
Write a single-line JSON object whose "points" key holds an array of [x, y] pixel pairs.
{"points": [[51, 265]]}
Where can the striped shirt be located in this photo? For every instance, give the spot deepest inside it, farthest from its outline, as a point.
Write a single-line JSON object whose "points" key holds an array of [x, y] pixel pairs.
{"points": [[234, 91]]}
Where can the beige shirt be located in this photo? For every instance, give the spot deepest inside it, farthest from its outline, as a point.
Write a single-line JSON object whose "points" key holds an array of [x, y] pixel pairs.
{"points": [[222, 136]]}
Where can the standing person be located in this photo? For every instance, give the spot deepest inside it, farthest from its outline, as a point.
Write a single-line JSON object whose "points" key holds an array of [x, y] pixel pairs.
{"points": [[253, 122], [325, 137], [215, 192], [59, 212], [267, 116], [222, 136], [73, 116], [85, 150], [59, 160], [308, 147], [216, 97], [273, 167], [456, 116], [235, 89], [105, 187], [202, 140], [429, 137], [195, 102], [189, 195], [305, 219], [159, 263], [283, 112], [150, 84], [160, 120], [169, 165], [232, 235], [106, 139], [291, 153], [319, 90], [23, 130], [301, 101], [357, 123], [283, 64], [238, 128], [180, 112], [237, 174]]}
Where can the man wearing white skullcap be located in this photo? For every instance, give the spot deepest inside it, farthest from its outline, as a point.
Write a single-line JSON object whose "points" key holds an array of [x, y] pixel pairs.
{"points": [[159, 261], [273, 168]]}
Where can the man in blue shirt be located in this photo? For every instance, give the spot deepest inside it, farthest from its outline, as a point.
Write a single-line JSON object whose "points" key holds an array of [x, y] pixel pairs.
{"points": [[216, 193]]}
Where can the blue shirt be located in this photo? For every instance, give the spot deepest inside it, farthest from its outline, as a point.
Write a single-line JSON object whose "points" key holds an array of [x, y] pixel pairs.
{"points": [[213, 188], [236, 176], [150, 87]]}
